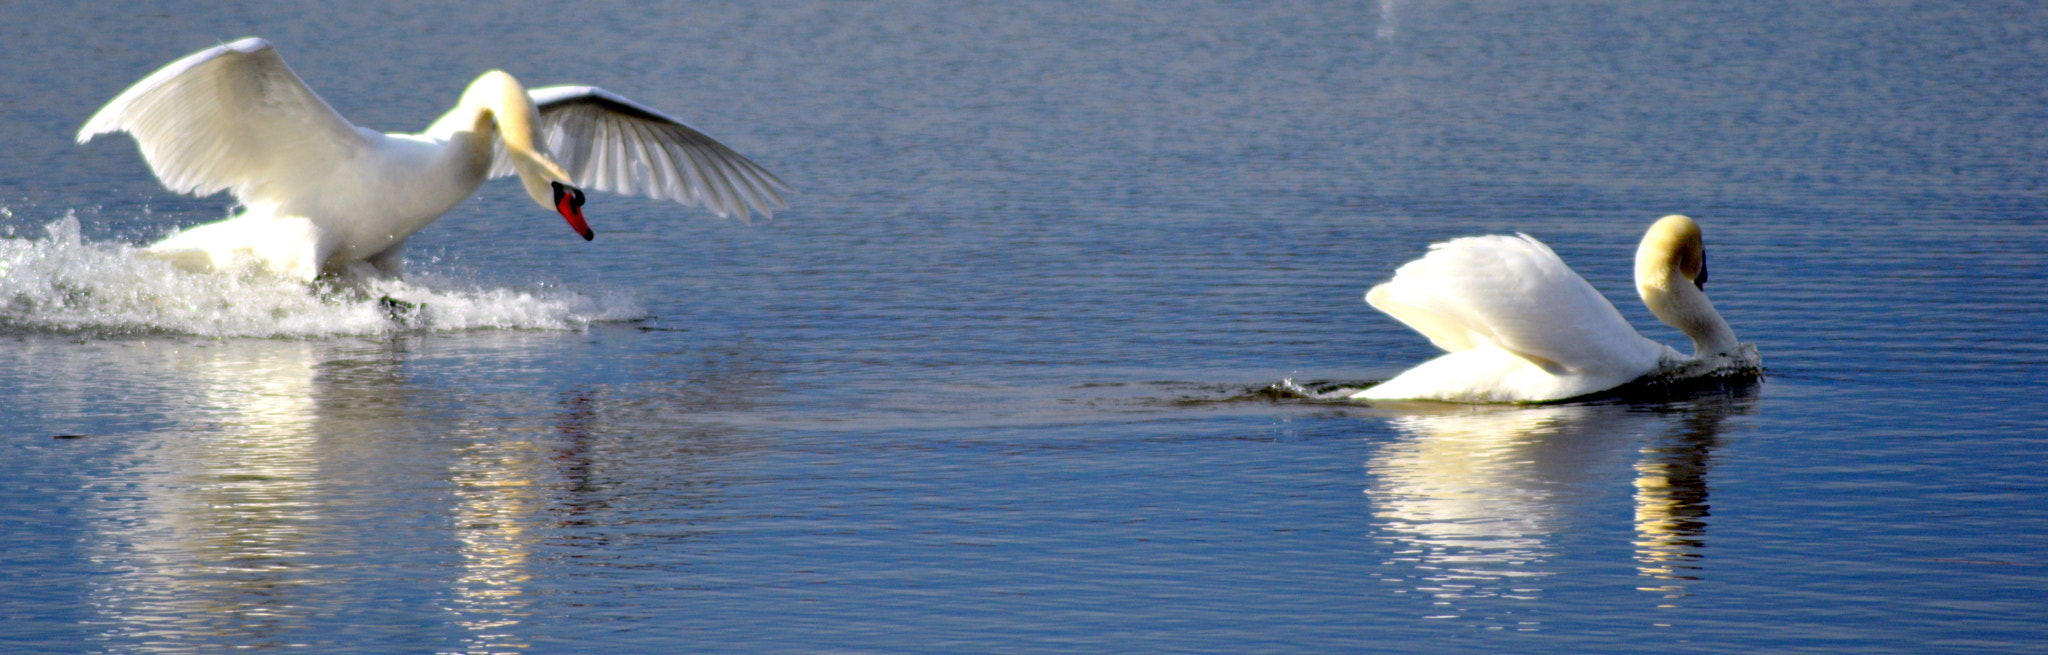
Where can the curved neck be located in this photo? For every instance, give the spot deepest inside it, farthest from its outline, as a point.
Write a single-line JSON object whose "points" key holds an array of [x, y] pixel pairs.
{"points": [[1680, 304], [497, 106]]}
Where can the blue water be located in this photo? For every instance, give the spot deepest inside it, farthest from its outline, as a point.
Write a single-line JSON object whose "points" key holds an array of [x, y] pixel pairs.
{"points": [[987, 385]]}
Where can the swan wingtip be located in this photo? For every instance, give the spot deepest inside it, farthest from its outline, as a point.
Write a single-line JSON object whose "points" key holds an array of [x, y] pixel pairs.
{"points": [[247, 44]]}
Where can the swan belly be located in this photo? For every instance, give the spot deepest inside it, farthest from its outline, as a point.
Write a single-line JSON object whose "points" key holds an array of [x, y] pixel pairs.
{"points": [[352, 220], [290, 247], [296, 246], [1489, 374]]}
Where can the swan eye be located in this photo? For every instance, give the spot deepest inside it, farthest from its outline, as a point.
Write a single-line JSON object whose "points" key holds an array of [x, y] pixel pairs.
{"points": [[1701, 281]]}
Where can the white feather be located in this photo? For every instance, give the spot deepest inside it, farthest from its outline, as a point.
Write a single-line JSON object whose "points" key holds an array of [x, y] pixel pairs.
{"points": [[324, 196], [1520, 326], [610, 143], [234, 118]]}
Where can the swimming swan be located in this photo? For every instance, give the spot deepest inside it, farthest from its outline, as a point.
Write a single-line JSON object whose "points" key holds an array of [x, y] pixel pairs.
{"points": [[320, 195], [1520, 326]]}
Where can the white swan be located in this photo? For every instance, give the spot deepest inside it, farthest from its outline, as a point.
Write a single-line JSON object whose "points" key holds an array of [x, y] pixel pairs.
{"points": [[320, 195], [1520, 326]]}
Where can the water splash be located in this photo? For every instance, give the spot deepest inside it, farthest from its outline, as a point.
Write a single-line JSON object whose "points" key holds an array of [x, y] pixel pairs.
{"points": [[63, 283]]}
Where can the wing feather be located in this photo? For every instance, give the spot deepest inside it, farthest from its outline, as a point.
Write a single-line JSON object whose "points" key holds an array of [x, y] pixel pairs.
{"points": [[609, 143], [1513, 292], [233, 117]]}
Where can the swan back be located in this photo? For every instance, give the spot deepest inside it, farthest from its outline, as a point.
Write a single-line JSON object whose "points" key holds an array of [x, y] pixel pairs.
{"points": [[1514, 294]]}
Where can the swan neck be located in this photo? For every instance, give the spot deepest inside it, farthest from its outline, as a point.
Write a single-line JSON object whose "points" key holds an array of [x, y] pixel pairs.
{"points": [[1671, 276], [499, 100], [1680, 304], [1711, 336]]}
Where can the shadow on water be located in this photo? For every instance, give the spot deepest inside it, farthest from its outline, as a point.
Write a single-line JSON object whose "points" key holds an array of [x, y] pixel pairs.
{"points": [[410, 478], [1645, 390]]}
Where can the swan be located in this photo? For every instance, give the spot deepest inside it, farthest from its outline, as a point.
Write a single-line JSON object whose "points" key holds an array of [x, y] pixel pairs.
{"points": [[1519, 326], [321, 196]]}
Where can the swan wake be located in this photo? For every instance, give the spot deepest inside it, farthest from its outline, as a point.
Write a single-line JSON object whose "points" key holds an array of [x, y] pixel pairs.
{"points": [[63, 283]]}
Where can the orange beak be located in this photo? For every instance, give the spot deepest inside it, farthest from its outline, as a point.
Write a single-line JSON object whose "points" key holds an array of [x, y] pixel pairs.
{"points": [[569, 201]]}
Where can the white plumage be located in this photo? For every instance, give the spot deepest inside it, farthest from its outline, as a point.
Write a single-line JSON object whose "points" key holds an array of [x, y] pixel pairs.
{"points": [[609, 143], [1518, 325], [321, 195]]}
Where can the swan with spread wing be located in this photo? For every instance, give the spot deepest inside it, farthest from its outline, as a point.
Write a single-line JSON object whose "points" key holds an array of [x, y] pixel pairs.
{"points": [[321, 196]]}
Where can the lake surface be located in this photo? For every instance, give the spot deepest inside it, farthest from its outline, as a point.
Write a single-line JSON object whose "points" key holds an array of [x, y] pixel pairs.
{"points": [[986, 385]]}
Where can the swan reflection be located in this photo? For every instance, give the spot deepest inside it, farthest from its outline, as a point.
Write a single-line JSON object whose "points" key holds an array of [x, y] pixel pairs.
{"points": [[1671, 491], [294, 478], [214, 536], [495, 508], [1475, 502], [1471, 499]]}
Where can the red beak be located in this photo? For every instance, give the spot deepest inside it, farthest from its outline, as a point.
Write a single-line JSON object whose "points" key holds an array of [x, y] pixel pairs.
{"points": [[569, 201]]}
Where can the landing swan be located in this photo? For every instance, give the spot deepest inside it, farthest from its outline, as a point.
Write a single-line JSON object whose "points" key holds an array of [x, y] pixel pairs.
{"points": [[322, 196], [1520, 326]]}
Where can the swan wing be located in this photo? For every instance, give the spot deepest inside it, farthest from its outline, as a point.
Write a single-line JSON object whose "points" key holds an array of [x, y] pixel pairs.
{"points": [[232, 117], [1512, 293], [610, 143]]}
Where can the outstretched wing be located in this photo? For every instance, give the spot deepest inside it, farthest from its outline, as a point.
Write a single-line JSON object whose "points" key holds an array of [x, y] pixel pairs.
{"points": [[609, 143], [1512, 292], [232, 117]]}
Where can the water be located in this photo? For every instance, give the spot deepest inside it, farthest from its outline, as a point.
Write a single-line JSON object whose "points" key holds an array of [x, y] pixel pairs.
{"points": [[972, 391]]}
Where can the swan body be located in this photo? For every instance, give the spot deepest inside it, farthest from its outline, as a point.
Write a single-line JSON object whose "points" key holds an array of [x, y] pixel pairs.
{"points": [[322, 196], [1518, 325]]}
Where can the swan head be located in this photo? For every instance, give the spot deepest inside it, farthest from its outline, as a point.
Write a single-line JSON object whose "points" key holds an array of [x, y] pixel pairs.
{"points": [[500, 103], [1672, 247], [1671, 277]]}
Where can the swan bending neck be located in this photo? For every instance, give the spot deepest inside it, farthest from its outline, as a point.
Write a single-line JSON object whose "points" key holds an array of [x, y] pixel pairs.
{"points": [[1671, 277], [498, 106], [1711, 336], [1687, 308]]}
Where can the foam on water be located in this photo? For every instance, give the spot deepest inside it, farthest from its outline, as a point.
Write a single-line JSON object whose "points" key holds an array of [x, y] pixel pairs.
{"points": [[62, 283]]}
